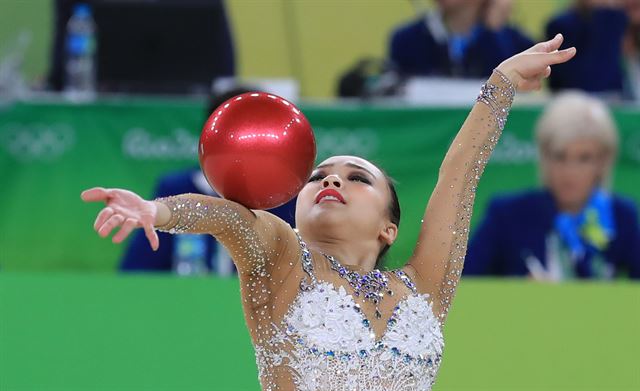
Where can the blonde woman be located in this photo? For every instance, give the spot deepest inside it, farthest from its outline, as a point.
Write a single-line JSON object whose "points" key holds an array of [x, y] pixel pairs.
{"points": [[573, 227]]}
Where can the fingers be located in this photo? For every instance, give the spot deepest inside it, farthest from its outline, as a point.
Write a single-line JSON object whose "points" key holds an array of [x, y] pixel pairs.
{"points": [[554, 43], [103, 216], [128, 226], [95, 194], [547, 46], [152, 236], [110, 224], [537, 64], [560, 56]]}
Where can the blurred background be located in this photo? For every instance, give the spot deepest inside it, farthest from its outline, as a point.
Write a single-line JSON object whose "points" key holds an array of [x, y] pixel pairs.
{"points": [[114, 93]]}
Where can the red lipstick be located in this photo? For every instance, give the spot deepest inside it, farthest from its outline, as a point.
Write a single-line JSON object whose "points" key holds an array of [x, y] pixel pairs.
{"points": [[331, 193]]}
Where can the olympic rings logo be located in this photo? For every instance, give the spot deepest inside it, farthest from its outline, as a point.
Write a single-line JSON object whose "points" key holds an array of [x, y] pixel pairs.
{"points": [[37, 142]]}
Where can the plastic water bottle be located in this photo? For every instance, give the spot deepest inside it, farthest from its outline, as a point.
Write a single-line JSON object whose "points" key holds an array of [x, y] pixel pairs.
{"points": [[80, 82], [190, 251]]}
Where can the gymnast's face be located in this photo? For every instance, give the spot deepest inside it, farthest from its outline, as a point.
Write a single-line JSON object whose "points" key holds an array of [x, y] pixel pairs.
{"points": [[349, 196]]}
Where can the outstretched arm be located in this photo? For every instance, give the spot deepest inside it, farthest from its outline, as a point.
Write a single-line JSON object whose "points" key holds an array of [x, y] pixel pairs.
{"points": [[439, 255], [253, 238]]}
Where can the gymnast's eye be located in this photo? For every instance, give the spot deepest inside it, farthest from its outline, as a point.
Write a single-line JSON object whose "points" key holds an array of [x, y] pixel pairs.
{"points": [[316, 177], [359, 178]]}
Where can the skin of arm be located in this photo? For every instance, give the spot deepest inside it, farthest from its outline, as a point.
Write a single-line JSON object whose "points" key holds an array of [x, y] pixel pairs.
{"points": [[438, 258], [439, 254], [255, 239]]}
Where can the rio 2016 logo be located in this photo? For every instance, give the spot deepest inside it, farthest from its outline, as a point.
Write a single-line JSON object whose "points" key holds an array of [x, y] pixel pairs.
{"points": [[143, 144], [37, 142]]}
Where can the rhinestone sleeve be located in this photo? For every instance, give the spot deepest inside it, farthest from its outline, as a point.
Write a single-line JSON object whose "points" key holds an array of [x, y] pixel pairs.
{"points": [[236, 227], [441, 249], [194, 213]]}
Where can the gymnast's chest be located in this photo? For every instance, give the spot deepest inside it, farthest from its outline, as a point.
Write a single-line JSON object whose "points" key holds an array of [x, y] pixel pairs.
{"points": [[328, 320]]}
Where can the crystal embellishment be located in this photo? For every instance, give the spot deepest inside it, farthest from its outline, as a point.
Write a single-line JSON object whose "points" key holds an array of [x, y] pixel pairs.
{"points": [[371, 286]]}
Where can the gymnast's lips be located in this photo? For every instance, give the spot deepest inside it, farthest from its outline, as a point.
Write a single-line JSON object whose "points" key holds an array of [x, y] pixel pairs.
{"points": [[330, 193]]}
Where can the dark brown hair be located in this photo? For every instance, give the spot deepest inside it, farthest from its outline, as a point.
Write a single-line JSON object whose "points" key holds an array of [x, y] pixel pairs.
{"points": [[394, 214]]}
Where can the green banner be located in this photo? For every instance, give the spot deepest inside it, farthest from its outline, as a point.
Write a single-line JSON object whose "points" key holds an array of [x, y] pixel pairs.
{"points": [[52, 151]]}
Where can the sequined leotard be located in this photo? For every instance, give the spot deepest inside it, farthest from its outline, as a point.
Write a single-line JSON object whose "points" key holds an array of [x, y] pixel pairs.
{"points": [[310, 331]]}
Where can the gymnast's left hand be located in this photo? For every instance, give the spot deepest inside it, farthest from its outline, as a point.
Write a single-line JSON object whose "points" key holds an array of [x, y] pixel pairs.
{"points": [[526, 70]]}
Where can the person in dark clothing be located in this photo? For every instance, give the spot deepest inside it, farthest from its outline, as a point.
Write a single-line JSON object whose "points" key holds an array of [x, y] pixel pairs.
{"points": [[596, 29], [460, 38]]}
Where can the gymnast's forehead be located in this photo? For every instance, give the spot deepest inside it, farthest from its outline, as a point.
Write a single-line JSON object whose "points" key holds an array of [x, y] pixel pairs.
{"points": [[351, 161]]}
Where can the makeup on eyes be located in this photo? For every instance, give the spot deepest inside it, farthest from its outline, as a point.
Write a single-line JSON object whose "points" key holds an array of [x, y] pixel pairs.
{"points": [[354, 175]]}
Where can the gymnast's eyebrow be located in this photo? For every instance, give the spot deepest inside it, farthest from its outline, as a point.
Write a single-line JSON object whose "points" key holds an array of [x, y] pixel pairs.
{"points": [[348, 164]]}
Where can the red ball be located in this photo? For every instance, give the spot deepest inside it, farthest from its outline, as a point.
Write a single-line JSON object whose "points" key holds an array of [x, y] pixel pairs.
{"points": [[257, 149]]}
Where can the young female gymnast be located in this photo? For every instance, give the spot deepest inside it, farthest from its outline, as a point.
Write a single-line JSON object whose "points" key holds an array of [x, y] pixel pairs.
{"points": [[321, 317]]}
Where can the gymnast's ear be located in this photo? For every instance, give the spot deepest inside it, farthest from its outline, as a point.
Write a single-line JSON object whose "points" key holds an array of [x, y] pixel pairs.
{"points": [[389, 233]]}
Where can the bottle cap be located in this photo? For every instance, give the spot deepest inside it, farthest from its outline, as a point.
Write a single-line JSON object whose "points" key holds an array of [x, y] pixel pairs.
{"points": [[82, 10]]}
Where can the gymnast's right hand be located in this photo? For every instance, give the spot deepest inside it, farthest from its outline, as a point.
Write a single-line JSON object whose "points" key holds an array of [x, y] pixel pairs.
{"points": [[123, 209]]}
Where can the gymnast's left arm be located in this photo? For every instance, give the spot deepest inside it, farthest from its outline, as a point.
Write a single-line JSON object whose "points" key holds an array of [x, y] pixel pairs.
{"points": [[439, 254]]}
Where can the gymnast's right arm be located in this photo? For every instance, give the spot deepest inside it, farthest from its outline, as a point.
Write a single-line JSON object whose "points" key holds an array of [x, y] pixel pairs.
{"points": [[255, 239]]}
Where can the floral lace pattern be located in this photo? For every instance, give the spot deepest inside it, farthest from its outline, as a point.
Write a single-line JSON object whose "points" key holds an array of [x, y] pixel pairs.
{"points": [[330, 319], [326, 343]]}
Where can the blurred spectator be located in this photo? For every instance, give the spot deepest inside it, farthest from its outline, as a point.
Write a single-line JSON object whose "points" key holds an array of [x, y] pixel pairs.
{"points": [[632, 51], [596, 28], [573, 227], [461, 38], [212, 257]]}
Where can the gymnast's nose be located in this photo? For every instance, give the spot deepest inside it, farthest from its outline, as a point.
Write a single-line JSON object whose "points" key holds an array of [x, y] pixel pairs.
{"points": [[332, 180]]}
